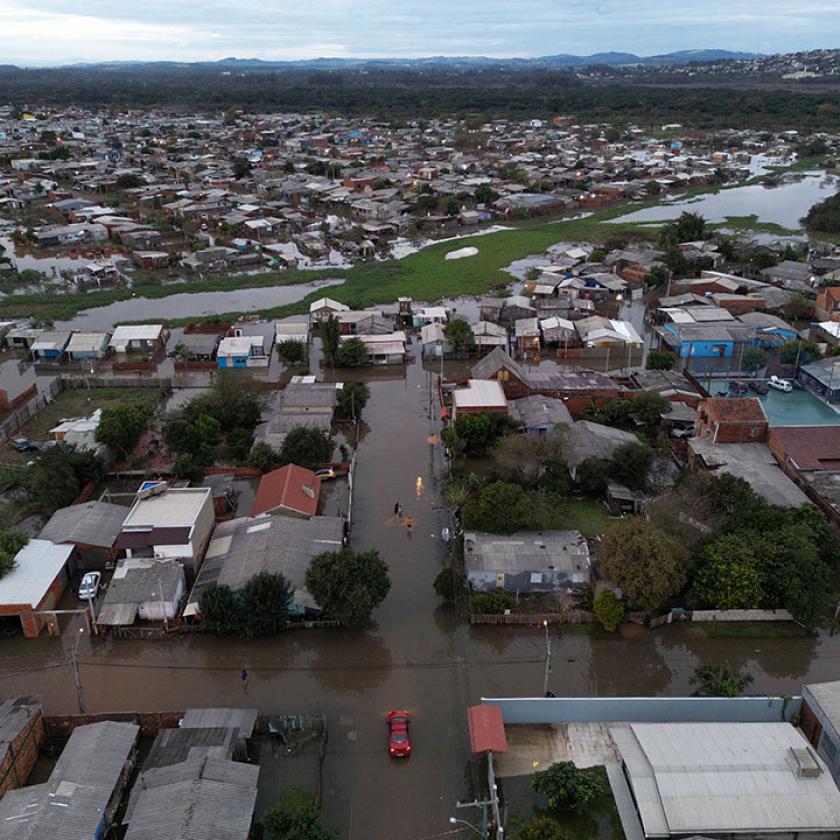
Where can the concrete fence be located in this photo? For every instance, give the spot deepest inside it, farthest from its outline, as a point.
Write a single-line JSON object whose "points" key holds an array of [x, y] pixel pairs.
{"points": [[538, 710], [721, 615]]}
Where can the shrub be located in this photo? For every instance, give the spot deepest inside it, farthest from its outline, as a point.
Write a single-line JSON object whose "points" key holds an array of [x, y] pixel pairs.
{"points": [[609, 609], [491, 603]]}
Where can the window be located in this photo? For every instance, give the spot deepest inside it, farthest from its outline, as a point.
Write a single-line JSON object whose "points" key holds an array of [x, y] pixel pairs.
{"points": [[536, 577]]}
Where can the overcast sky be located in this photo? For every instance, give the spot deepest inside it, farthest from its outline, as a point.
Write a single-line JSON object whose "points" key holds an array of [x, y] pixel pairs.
{"points": [[43, 32]]}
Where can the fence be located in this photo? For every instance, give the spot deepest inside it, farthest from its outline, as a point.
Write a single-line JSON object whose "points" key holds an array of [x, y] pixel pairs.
{"points": [[536, 619], [139, 381], [21, 416], [720, 615], [538, 710]]}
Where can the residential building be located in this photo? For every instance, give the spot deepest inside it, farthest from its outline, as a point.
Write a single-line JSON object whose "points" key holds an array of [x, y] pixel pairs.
{"points": [[479, 396], [596, 441], [546, 561], [91, 528], [538, 414], [142, 588], [21, 737], [822, 378], [290, 491], [732, 420], [87, 346], [386, 349], [138, 338]]}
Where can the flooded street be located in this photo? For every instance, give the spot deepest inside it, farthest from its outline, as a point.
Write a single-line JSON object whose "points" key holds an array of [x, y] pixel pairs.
{"points": [[417, 655]]}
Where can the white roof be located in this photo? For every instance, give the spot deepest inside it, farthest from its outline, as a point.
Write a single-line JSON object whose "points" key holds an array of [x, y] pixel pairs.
{"points": [[176, 507], [86, 342], [831, 327], [433, 312], [37, 565], [373, 340], [291, 330], [713, 778], [81, 425], [431, 333], [328, 303], [556, 323], [239, 345], [479, 393], [135, 332]]}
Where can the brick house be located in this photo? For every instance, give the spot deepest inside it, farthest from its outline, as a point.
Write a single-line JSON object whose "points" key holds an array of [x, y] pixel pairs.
{"points": [[828, 304], [732, 420], [21, 736]]}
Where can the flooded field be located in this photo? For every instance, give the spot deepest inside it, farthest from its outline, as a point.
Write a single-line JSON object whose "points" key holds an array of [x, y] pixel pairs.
{"points": [[783, 204], [418, 655]]}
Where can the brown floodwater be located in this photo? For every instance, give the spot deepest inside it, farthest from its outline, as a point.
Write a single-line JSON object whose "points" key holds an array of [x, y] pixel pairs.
{"points": [[417, 655]]}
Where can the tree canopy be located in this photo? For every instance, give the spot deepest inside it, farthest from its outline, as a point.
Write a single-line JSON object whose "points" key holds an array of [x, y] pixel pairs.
{"points": [[121, 427], [306, 447], [568, 788]]}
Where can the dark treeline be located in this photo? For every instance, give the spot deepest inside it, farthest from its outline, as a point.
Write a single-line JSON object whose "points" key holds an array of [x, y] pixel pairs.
{"points": [[420, 94]]}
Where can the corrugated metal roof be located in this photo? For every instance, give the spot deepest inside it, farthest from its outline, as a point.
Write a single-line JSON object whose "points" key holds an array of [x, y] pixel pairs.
{"points": [[91, 523]]}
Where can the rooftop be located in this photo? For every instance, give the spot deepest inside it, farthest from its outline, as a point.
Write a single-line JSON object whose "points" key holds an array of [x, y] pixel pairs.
{"points": [[91, 523], [173, 508], [526, 551], [734, 409], [810, 447], [291, 487], [479, 393], [37, 565]]}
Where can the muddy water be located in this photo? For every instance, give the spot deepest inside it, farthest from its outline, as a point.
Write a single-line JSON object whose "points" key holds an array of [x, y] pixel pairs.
{"points": [[416, 656]]}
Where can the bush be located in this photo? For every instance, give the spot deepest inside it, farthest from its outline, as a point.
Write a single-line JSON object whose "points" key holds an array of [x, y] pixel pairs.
{"points": [[567, 788], [262, 457], [719, 680], [351, 402], [448, 584], [295, 817], [351, 352], [305, 447], [609, 609], [660, 360], [491, 603], [292, 351]]}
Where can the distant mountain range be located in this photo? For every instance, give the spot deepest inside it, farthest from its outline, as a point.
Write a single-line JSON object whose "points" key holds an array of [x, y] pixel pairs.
{"points": [[563, 61]]}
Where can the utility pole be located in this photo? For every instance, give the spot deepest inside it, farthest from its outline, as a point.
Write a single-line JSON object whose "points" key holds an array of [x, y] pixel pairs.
{"points": [[74, 654], [547, 659]]}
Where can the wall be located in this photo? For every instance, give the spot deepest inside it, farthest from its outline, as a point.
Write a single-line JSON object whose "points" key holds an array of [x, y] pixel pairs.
{"points": [[646, 709], [22, 754]]}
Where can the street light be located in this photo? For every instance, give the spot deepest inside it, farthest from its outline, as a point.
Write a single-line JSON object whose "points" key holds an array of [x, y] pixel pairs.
{"points": [[74, 654], [455, 821], [547, 658]]}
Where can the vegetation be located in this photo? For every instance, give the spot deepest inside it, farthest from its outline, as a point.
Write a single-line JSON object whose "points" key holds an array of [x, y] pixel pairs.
{"points": [[542, 827], [647, 564], [449, 583], [609, 609], [352, 399], [825, 216], [262, 457], [260, 608], [459, 335], [754, 359], [348, 586], [568, 788], [11, 543], [660, 360], [719, 680], [292, 352], [494, 602], [295, 817], [121, 427], [475, 434], [504, 508], [306, 447], [352, 352]]}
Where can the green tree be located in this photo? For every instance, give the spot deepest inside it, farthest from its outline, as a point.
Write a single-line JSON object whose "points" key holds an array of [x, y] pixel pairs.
{"points": [[129, 181], [495, 602], [542, 827], [352, 352], [291, 351], [221, 610], [262, 457], [648, 407], [719, 680], [348, 586], [449, 584], [241, 167], [59, 473], [500, 508], [121, 427], [451, 206], [267, 599], [729, 577], [630, 463], [351, 401], [459, 335], [485, 195], [330, 332], [690, 227], [592, 475], [11, 542], [295, 817], [754, 359], [649, 566], [797, 307], [305, 447], [568, 788], [609, 609], [187, 468], [660, 360]]}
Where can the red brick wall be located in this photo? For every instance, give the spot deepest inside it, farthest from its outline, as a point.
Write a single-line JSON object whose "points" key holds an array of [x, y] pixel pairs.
{"points": [[22, 755]]}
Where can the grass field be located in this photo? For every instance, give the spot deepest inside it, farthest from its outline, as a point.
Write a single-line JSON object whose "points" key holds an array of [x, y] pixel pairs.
{"points": [[588, 517], [81, 402]]}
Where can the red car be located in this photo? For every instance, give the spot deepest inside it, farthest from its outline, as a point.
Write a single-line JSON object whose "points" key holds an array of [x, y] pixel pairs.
{"points": [[399, 740]]}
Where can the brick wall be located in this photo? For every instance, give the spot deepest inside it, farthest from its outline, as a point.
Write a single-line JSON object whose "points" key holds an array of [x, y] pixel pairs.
{"points": [[22, 754]]}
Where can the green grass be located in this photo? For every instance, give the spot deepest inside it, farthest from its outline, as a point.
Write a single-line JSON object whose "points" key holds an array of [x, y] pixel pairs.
{"points": [[746, 630], [587, 516], [751, 223], [81, 402]]}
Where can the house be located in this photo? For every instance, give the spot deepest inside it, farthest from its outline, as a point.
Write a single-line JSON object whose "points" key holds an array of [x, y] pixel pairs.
{"points": [[828, 304], [669, 384], [761, 780], [289, 490], [547, 561], [83, 346], [822, 378], [91, 528], [539, 414], [323, 308], [386, 349], [769, 328], [732, 420], [558, 331], [167, 522], [433, 341], [820, 722], [50, 346], [239, 351], [21, 738], [527, 335], [242, 548], [604, 332], [291, 331], [704, 341], [138, 338], [806, 448], [79, 431], [488, 335], [578, 387], [144, 588], [35, 585], [789, 274], [81, 797], [479, 396], [433, 315], [596, 441]]}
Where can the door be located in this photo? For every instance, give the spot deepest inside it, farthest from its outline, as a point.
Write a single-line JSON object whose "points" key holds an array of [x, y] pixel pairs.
{"points": [[810, 726]]}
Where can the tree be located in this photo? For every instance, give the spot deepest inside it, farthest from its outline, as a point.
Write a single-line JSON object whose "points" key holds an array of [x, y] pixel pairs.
{"points": [[348, 586], [797, 307], [754, 359], [187, 468], [241, 167], [527, 460], [292, 351], [121, 427], [351, 401], [352, 352], [459, 335], [262, 457], [11, 542], [220, 610], [129, 181], [330, 332], [729, 577], [690, 227], [295, 817], [59, 473], [719, 680], [267, 598], [485, 195], [648, 565], [609, 609], [568, 788], [592, 475], [630, 463], [542, 827], [501, 508], [305, 447], [648, 407], [451, 206], [448, 584], [660, 360]]}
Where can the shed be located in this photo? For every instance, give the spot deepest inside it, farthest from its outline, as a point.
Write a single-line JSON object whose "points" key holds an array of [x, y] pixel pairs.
{"points": [[92, 527], [142, 588]]}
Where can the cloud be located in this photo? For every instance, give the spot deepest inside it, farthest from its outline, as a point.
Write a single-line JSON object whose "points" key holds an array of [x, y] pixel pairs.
{"points": [[56, 31]]}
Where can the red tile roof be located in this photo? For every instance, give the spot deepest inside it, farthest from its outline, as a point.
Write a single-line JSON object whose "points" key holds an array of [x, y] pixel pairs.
{"points": [[291, 487], [809, 447], [487, 729]]}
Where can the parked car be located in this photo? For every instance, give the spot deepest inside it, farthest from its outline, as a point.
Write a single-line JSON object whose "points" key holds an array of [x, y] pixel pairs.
{"points": [[780, 384], [758, 387], [325, 474], [682, 433], [23, 444], [399, 740], [737, 386], [89, 586]]}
